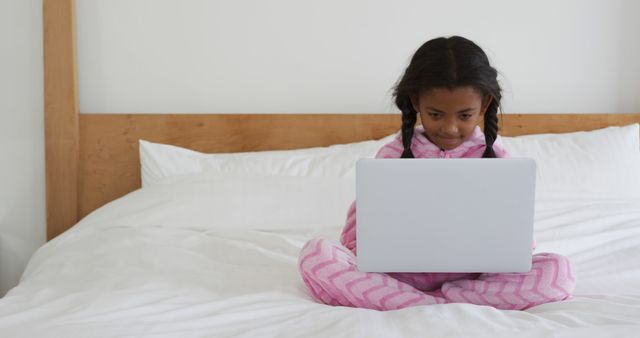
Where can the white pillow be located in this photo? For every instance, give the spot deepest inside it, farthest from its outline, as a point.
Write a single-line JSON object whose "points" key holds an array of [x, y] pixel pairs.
{"points": [[211, 200], [604, 161], [158, 161]]}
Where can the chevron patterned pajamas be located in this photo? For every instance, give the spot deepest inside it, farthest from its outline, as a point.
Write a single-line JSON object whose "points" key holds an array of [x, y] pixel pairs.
{"points": [[329, 269]]}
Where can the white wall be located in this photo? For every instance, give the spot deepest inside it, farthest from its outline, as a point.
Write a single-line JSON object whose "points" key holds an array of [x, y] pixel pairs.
{"points": [[289, 56], [335, 56], [22, 215]]}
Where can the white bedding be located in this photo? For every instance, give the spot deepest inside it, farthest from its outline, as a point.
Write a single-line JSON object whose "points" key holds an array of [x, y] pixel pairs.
{"points": [[146, 266]]}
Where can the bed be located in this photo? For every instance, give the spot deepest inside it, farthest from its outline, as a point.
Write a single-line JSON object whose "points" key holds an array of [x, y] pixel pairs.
{"points": [[136, 249]]}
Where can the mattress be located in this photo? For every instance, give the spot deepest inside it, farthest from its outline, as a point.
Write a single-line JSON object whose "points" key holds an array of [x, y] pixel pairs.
{"points": [[156, 264]]}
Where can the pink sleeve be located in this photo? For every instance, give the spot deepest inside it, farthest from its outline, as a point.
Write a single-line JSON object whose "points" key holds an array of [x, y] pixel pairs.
{"points": [[348, 237], [392, 149], [499, 149]]}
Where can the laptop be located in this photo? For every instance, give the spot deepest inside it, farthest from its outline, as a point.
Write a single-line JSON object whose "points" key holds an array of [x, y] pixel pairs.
{"points": [[452, 215]]}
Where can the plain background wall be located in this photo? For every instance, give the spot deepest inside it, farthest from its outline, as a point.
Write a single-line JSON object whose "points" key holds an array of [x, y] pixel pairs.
{"points": [[22, 211], [290, 56], [335, 56]]}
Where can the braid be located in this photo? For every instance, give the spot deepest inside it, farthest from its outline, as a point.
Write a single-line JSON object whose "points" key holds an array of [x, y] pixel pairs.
{"points": [[409, 118], [490, 129]]}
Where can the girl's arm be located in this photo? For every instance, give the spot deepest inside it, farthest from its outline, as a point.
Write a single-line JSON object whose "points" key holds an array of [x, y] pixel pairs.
{"points": [[499, 149], [348, 237]]}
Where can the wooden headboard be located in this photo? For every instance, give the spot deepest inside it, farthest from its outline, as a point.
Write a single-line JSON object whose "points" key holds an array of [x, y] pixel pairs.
{"points": [[92, 159]]}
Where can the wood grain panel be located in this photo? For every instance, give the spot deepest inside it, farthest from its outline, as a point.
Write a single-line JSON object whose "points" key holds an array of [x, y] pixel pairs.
{"points": [[61, 115], [525, 124], [109, 161]]}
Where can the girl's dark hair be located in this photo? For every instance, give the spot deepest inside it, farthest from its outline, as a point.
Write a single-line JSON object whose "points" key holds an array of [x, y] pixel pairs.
{"points": [[448, 63]]}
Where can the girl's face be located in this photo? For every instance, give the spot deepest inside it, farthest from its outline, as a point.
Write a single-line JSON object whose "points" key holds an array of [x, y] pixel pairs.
{"points": [[450, 116]]}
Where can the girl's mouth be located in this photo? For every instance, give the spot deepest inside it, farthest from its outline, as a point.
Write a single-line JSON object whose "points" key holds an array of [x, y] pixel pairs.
{"points": [[449, 142], [449, 139]]}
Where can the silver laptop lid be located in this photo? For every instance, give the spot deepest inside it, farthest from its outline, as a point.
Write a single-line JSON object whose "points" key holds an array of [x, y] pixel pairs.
{"points": [[453, 215]]}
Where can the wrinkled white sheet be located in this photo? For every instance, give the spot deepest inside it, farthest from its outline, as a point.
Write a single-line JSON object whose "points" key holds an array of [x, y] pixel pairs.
{"points": [[133, 269]]}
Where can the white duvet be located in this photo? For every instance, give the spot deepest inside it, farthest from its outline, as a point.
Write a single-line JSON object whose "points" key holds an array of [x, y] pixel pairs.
{"points": [[160, 263]]}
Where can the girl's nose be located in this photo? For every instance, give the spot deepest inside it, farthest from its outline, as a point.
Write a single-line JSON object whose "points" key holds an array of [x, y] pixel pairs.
{"points": [[450, 128]]}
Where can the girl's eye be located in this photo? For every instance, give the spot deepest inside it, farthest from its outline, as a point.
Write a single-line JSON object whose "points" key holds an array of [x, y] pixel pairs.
{"points": [[432, 114], [465, 116]]}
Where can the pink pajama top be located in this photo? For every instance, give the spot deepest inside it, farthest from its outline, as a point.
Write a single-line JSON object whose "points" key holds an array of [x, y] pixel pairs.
{"points": [[421, 147]]}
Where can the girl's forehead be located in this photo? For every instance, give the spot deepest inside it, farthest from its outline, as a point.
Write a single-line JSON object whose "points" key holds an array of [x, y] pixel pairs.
{"points": [[457, 95]]}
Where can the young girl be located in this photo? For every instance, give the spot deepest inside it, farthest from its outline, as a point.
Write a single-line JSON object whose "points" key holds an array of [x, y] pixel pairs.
{"points": [[452, 86]]}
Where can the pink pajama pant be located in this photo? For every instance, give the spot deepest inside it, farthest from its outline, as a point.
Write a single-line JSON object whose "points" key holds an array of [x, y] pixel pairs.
{"points": [[329, 272]]}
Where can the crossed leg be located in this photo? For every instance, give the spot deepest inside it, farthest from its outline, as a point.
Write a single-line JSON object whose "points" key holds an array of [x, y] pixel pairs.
{"points": [[550, 279], [329, 271]]}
